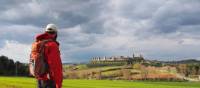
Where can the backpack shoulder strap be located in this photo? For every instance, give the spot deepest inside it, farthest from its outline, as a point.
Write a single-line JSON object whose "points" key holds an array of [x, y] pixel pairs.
{"points": [[43, 42]]}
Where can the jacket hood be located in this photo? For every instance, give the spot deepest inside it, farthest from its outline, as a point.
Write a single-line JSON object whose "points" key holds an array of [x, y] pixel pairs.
{"points": [[44, 36]]}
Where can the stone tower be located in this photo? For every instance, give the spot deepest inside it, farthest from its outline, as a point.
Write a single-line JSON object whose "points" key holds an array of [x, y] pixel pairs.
{"points": [[133, 55]]}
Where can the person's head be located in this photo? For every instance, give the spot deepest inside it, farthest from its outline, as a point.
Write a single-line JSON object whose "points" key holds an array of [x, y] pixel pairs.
{"points": [[51, 29]]}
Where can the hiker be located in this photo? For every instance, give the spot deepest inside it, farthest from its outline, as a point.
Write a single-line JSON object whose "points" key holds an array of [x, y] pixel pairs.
{"points": [[45, 61]]}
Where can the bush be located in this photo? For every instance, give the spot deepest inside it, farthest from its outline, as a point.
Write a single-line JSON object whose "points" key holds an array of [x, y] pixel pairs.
{"points": [[71, 75]]}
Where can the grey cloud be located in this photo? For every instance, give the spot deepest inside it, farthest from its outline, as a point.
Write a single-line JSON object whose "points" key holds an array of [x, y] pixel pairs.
{"points": [[93, 27], [21, 33], [74, 37], [64, 13], [7, 4], [175, 14], [143, 9]]}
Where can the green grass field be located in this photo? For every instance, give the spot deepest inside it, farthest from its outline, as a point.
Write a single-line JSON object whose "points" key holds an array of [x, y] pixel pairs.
{"points": [[20, 82]]}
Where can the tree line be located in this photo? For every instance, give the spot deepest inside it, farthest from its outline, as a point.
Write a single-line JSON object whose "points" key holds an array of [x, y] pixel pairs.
{"points": [[10, 68]]}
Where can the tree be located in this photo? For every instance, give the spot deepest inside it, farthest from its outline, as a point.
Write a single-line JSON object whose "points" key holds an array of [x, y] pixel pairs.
{"points": [[182, 68], [126, 74], [144, 72], [98, 75], [9, 67], [137, 66]]}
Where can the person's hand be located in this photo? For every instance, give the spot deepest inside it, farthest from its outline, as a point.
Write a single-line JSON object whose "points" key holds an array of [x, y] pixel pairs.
{"points": [[31, 70], [48, 76]]}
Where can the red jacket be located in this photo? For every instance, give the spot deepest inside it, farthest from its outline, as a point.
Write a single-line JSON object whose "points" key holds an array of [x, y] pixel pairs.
{"points": [[53, 59]]}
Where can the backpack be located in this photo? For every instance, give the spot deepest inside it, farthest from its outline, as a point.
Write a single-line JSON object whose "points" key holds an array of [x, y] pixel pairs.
{"points": [[38, 65]]}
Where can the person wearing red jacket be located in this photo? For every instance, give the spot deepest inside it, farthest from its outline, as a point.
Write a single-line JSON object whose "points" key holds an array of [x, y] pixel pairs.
{"points": [[54, 78]]}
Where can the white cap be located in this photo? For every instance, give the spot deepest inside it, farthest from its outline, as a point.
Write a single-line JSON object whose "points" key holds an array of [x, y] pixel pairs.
{"points": [[51, 28]]}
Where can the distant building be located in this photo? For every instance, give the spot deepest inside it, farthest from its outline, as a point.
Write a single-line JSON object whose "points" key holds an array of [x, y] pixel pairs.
{"points": [[117, 60]]}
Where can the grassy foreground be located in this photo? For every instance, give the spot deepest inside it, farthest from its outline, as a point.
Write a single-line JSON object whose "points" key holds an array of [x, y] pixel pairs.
{"points": [[21, 82]]}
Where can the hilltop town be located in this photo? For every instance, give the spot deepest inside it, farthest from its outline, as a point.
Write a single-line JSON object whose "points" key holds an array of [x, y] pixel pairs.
{"points": [[117, 60]]}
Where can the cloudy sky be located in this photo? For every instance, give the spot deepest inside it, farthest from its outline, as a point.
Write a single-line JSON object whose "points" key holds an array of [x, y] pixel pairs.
{"points": [[157, 29]]}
